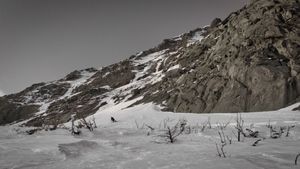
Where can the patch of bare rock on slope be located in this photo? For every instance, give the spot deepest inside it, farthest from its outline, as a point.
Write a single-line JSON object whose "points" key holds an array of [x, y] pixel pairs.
{"points": [[250, 61]]}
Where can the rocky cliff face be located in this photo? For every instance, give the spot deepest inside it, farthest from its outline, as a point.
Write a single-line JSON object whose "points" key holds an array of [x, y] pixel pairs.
{"points": [[248, 62]]}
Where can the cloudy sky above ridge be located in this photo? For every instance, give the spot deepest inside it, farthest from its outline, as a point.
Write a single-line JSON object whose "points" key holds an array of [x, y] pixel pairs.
{"points": [[1, 93]]}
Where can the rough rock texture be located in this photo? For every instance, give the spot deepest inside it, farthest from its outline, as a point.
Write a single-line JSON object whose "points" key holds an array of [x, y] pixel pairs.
{"points": [[250, 61], [11, 112], [243, 64]]}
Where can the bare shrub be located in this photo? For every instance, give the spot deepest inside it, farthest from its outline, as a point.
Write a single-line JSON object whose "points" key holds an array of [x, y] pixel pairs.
{"points": [[223, 126], [220, 150], [87, 124], [239, 126], [268, 125], [171, 133], [242, 131], [229, 139], [208, 123], [94, 122], [276, 132], [203, 126], [137, 125], [223, 138], [251, 133], [143, 125], [83, 123], [164, 123], [74, 129], [188, 130], [151, 129], [288, 130], [221, 145]]}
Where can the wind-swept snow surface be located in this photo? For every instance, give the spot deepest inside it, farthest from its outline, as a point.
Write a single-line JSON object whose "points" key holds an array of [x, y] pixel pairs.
{"points": [[130, 144]]}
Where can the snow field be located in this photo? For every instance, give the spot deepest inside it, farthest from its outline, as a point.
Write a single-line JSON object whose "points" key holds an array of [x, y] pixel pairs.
{"points": [[129, 144]]}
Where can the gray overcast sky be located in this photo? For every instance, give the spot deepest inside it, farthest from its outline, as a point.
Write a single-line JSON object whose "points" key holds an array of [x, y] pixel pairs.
{"points": [[43, 40]]}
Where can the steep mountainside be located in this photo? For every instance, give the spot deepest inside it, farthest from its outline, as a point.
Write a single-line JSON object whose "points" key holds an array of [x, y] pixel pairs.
{"points": [[250, 61]]}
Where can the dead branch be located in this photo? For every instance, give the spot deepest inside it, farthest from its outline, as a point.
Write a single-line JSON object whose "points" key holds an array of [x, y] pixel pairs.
{"points": [[94, 122], [209, 123], [151, 128], [223, 126], [276, 133], [222, 136], [172, 133], [296, 159], [74, 129], [188, 130], [256, 142], [222, 150], [288, 130], [218, 151], [251, 133], [269, 124], [136, 124], [240, 127], [223, 143], [229, 139], [86, 124], [203, 126]]}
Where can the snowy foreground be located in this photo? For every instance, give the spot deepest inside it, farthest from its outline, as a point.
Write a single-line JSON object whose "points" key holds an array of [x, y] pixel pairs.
{"points": [[130, 144]]}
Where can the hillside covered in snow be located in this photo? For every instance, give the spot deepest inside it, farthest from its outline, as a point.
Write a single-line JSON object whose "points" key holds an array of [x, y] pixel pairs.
{"points": [[239, 64]]}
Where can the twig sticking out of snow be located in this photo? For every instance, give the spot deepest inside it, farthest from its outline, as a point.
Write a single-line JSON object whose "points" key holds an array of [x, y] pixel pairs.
{"points": [[74, 129], [256, 142], [94, 122], [172, 132], [278, 133], [296, 159], [150, 127], [220, 148], [239, 126], [138, 126], [89, 125], [288, 130]]}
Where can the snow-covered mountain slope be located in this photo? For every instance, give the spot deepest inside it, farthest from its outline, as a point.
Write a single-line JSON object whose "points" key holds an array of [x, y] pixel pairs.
{"points": [[239, 64], [130, 144]]}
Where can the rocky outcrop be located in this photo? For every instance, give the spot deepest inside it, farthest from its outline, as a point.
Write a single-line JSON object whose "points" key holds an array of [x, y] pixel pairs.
{"points": [[12, 112], [250, 61], [244, 63]]}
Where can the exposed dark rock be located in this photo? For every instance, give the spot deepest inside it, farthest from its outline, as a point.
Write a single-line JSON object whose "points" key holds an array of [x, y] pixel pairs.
{"points": [[215, 22], [246, 62], [13, 112], [73, 75]]}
